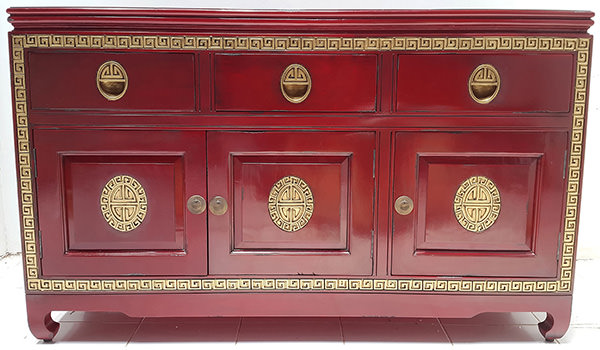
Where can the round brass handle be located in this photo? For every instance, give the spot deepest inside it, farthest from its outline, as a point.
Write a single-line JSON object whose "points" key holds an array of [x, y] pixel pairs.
{"points": [[111, 80], [484, 83], [295, 83], [218, 205], [196, 204], [403, 205]]}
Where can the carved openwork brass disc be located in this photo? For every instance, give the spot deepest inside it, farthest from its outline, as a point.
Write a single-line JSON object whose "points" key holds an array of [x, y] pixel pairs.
{"points": [[111, 80], [123, 203], [484, 83], [477, 204], [291, 203], [295, 83]]}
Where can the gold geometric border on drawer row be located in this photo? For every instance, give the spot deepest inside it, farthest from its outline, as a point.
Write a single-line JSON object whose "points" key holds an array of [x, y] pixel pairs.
{"points": [[301, 43], [581, 46]]}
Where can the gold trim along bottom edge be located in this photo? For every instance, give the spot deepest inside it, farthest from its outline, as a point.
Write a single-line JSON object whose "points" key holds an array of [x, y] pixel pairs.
{"points": [[312, 284]]}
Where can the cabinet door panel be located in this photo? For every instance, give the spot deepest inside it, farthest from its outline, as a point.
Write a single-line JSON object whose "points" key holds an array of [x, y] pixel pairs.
{"points": [[299, 202], [123, 196], [485, 204]]}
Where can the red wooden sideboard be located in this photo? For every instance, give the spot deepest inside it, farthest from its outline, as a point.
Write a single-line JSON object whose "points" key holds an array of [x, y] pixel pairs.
{"points": [[341, 163]]}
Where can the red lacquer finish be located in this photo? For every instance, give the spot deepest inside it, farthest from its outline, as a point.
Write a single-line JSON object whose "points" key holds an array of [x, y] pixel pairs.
{"points": [[250, 82], [526, 168], [156, 81], [244, 167], [389, 114], [73, 168], [528, 83]]}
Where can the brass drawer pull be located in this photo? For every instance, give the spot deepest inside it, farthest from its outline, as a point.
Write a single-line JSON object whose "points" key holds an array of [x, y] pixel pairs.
{"points": [[196, 204], [403, 205], [111, 80], [295, 83], [484, 84], [218, 205]]}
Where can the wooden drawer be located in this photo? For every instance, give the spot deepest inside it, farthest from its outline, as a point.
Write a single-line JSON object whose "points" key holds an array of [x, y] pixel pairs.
{"points": [[521, 83], [253, 82], [152, 81]]}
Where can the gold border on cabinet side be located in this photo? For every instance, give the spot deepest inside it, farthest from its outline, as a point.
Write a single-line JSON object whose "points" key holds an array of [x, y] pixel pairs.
{"points": [[581, 46]]}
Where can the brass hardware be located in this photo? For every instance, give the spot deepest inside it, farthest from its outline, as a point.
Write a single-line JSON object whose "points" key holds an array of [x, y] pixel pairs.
{"points": [[218, 205], [291, 203], [484, 83], [477, 204], [196, 204], [403, 205], [295, 83], [123, 203], [111, 80]]}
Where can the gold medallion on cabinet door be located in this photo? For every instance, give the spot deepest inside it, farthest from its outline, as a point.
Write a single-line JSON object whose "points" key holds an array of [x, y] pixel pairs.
{"points": [[291, 203], [111, 80], [123, 203], [477, 204]]}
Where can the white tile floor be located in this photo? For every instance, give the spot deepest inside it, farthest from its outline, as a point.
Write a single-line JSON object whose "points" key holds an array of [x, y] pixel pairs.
{"points": [[117, 331]]}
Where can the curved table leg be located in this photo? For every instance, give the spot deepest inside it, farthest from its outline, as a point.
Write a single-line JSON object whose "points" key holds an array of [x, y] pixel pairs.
{"points": [[556, 323], [41, 324]]}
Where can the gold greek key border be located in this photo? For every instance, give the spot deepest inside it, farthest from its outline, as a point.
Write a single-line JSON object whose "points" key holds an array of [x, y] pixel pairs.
{"points": [[280, 284], [581, 47], [308, 43]]}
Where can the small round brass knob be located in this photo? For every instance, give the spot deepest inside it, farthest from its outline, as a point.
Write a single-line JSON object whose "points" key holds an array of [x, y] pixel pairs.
{"points": [[403, 205], [218, 205], [295, 83], [196, 204], [484, 84], [111, 80]]}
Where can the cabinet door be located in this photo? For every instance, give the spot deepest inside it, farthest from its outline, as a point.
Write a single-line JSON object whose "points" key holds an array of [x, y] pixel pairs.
{"points": [[485, 203], [298, 203], [114, 202]]}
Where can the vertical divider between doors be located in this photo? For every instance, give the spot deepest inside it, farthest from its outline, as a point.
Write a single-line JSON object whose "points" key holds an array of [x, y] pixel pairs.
{"points": [[383, 192]]}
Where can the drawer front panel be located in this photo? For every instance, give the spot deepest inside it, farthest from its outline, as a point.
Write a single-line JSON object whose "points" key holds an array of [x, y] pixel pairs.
{"points": [[155, 81], [485, 204], [252, 82], [299, 202], [122, 198], [525, 83]]}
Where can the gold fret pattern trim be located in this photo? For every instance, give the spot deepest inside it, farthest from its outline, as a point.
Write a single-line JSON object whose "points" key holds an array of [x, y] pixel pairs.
{"points": [[295, 284], [308, 43], [580, 46]]}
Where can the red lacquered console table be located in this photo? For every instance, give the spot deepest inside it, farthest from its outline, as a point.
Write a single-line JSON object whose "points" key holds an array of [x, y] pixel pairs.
{"points": [[347, 163]]}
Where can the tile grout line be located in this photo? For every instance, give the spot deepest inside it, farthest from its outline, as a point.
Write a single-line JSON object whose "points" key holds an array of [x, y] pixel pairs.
{"points": [[237, 333], [444, 330], [537, 318], [135, 331], [342, 331]]}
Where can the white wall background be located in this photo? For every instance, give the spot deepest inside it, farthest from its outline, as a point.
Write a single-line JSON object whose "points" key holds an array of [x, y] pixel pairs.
{"points": [[589, 239]]}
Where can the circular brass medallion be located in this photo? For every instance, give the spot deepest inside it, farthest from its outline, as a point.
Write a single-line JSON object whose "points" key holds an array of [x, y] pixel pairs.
{"points": [[123, 203], [484, 83], [111, 80], [291, 203], [295, 83], [477, 204]]}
